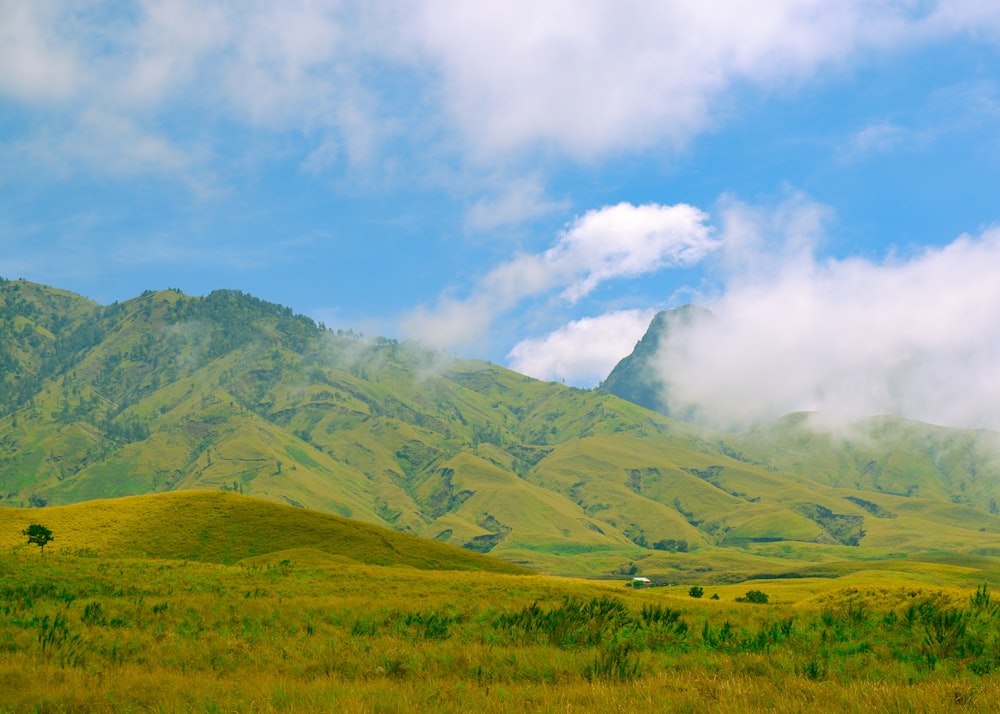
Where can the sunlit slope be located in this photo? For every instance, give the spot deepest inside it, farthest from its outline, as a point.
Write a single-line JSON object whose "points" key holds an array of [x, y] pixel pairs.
{"points": [[658, 491], [224, 528], [169, 392], [33, 319]]}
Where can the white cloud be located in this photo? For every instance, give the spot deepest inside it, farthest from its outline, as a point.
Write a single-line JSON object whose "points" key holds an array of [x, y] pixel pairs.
{"points": [[978, 17], [596, 77], [167, 48], [124, 147], [627, 241], [115, 145], [35, 65], [583, 79], [876, 138], [619, 241], [158, 64], [945, 112], [916, 337], [452, 323], [582, 352], [517, 201]]}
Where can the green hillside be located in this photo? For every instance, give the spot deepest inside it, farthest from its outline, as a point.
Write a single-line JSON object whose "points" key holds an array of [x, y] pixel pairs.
{"points": [[168, 392], [215, 527]]}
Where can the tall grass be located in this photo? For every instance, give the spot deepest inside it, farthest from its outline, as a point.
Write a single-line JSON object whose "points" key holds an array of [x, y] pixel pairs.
{"points": [[91, 634]]}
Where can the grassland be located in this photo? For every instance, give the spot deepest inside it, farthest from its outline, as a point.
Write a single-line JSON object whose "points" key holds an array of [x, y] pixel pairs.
{"points": [[307, 631], [133, 608]]}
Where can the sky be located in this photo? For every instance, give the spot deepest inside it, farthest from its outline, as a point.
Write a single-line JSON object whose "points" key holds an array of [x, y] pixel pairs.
{"points": [[528, 183]]}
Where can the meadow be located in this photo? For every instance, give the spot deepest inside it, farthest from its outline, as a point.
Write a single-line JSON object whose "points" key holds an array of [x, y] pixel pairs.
{"points": [[303, 630]]}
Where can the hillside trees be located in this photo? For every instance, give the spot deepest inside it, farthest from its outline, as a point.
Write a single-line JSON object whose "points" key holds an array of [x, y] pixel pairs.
{"points": [[38, 535]]}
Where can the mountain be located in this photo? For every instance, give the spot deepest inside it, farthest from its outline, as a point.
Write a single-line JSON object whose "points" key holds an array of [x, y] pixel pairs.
{"points": [[636, 378], [168, 392]]}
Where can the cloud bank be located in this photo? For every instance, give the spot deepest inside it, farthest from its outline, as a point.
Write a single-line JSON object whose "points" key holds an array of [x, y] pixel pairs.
{"points": [[583, 351], [915, 336], [621, 241]]}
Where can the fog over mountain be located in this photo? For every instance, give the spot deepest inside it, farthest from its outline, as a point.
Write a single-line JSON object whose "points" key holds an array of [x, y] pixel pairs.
{"points": [[912, 335]]}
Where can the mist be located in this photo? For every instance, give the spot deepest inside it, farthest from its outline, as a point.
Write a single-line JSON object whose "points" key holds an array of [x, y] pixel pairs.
{"points": [[916, 336]]}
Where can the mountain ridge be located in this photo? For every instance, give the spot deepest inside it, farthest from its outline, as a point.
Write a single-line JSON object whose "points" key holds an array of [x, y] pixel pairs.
{"points": [[636, 377], [166, 392]]}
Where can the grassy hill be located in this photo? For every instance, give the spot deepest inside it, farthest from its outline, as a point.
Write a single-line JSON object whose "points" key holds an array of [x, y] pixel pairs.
{"points": [[216, 527], [168, 392]]}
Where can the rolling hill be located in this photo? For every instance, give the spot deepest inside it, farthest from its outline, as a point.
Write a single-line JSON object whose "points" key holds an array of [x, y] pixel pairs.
{"points": [[216, 527], [168, 392]]}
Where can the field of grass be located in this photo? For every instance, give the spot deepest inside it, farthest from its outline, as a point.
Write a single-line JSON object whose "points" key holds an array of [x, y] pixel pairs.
{"points": [[307, 630]]}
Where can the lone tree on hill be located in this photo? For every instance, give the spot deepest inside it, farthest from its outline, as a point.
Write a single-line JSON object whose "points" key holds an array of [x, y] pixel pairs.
{"points": [[39, 535]]}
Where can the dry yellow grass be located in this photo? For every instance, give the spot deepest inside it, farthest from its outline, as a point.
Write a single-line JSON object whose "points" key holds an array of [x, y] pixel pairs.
{"points": [[303, 630], [285, 623], [176, 692], [225, 527]]}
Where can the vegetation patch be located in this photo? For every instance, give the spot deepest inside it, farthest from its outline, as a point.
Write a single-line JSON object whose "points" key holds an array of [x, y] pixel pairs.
{"points": [[842, 528], [873, 508]]}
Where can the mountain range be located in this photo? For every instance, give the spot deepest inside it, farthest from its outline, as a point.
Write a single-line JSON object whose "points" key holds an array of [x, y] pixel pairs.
{"points": [[168, 392]]}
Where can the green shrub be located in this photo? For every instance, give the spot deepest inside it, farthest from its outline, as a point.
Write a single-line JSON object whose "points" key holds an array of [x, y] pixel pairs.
{"points": [[754, 596], [93, 614], [617, 663], [981, 599]]}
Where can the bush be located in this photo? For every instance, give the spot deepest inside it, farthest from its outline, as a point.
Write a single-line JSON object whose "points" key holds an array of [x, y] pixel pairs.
{"points": [[93, 614], [575, 623], [617, 663], [755, 596], [696, 591]]}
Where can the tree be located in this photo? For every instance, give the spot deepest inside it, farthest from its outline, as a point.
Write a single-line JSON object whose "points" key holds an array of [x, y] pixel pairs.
{"points": [[755, 596], [696, 591], [39, 535]]}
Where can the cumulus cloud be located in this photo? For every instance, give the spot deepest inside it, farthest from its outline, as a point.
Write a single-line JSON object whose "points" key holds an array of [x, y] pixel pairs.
{"points": [[627, 241], [612, 242], [583, 351], [914, 336]]}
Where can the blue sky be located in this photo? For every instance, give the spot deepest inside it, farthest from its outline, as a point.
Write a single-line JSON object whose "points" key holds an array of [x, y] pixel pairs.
{"points": [[521, 182]]}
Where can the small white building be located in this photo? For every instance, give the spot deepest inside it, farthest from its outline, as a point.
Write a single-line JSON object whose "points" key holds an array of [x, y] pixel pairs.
{"points": [[641, 582]]}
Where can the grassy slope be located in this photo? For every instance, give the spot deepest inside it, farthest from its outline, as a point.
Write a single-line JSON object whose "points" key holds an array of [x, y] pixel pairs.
{"points": [[315, 632], [218, 527]]}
